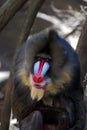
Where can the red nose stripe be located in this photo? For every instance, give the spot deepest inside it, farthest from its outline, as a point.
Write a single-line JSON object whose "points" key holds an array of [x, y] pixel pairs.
{"points": [[41, 67], [38, 78]]}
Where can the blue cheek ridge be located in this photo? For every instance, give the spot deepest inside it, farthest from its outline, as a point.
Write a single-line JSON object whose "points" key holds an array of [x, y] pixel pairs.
{"points": [[36, 67], [45, 68]]}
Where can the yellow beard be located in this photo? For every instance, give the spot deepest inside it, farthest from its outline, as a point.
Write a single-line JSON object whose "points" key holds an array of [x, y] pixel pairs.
{"points": [[37, 93]]}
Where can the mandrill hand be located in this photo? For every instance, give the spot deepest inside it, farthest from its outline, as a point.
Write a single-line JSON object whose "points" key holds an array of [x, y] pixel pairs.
{"points": [[32, 122]]}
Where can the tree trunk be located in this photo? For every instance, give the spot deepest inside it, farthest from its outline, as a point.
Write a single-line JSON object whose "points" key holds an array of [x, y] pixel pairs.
{"points": [[8, 10], [29, 20], [82, 50]]}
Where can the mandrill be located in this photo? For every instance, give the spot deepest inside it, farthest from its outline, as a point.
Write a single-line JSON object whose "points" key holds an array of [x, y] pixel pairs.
{"points": [[46, 78]]}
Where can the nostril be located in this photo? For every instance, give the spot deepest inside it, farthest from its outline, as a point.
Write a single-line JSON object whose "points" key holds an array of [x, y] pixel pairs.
{"points": [[38, 79]]}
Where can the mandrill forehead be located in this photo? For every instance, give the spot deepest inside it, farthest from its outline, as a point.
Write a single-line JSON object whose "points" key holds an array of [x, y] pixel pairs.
{"points": [[41, 43]]}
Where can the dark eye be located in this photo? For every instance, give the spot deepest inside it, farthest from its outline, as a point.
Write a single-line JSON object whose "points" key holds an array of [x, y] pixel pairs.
{"points": [[44, 57]]}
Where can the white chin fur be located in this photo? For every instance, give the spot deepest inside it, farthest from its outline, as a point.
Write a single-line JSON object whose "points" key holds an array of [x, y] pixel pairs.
{"points": [[37, 94]]}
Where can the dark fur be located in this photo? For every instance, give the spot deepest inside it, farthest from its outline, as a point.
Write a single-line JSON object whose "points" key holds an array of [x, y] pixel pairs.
{"points": [[65, 74]]}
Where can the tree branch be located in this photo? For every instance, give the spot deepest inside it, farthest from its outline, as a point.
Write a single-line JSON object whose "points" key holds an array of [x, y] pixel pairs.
{"points": [[29, 20], [8, 10], [73, 31], [82, 50]]}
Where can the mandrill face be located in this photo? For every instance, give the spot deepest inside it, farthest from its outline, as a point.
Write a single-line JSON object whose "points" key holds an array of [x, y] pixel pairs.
{"points": [[43, 66], [39, 80]]}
